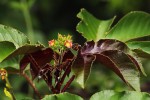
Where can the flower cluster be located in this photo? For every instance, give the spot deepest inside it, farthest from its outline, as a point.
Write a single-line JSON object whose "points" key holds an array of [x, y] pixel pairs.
{"points": [[3, 73], [61, 43]]}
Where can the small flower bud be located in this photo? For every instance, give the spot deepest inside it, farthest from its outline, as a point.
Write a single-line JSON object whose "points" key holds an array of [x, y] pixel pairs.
{"points": [[51, 43], [3, 73]]}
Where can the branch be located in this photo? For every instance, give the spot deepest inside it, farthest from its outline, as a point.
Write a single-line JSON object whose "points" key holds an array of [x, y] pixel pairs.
{"points": [[59, 84], [68, 83], [32, 84]]}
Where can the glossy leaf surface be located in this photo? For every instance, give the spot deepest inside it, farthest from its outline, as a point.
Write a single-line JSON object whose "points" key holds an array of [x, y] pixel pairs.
{"points": [[111, 53], [121, 64], [142, 48], [62, 96], [82, 67], [135, 24], [92, 28], [125, 95], [12, 35]]}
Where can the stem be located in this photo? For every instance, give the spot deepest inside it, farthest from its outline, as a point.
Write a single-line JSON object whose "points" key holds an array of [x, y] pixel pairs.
{"points": [[32, 85], [59, 84], [29, 81], [68, 83], [26, 13]]}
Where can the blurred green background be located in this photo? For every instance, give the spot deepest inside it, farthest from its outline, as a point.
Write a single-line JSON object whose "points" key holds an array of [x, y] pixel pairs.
{"points": [[46, 18]]}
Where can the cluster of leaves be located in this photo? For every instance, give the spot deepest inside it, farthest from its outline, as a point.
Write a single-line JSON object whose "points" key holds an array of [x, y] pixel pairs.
{"points": [[120, 46], [117, 48]]}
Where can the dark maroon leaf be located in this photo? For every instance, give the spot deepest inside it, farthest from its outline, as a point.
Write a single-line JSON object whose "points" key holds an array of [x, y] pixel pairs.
{"points": [[34, 71], [137, 62], [122, 65], [68, 55], [92, 47], [67, 71], [113, 54], [82, 67], [76, 46], [46, 74], [37, 60]]}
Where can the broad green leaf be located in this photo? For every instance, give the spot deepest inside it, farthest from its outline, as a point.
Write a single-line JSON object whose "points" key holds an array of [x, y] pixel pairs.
{"points": [[9, 54], [13, 43], [12, 35], [92, 28], [140, 46], [125, 95], [6, 49], [62, 96], [10, 62], [136, 24]]}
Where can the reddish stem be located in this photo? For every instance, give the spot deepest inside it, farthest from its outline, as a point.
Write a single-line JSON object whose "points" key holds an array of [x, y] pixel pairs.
{"points": [[68, 83], [32, 85], [59, 84]]}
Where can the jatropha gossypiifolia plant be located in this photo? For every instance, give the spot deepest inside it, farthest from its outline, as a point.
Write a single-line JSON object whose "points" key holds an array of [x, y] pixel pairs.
{"points": [[53, 63], [56, 61], [118, 48]]}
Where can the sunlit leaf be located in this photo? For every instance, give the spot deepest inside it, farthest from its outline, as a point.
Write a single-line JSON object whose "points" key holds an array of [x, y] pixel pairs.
{"points": [[14, 43], [92, 28], [140, 47], [62, 96], [12, 35], [6, 49], [8, 94], [136, 24], [125, 95]]}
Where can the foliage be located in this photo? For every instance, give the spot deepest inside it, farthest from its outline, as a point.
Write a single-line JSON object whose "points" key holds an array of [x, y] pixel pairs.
{"points": [[125, 95], [117, 48], [62, 96]]}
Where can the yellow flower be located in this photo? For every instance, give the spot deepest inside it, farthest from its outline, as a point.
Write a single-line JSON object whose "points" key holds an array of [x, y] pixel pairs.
{"points": [[68, 44]]}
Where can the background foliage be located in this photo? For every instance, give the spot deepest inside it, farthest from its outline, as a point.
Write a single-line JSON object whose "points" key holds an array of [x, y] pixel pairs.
{"points": [[45, 18]]}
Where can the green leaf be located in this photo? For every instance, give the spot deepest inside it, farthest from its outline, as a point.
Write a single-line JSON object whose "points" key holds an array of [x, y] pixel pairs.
{"points": [[12, 35], [14, 61], [6, 49], [62, 96], [92, 28], [10, 51], [8, 94], [125, 95], [142, 48], [136, 24]]}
